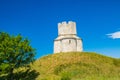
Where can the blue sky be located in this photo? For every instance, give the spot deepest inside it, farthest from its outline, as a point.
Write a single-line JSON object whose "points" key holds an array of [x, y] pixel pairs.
{"points": [[98, 22]]}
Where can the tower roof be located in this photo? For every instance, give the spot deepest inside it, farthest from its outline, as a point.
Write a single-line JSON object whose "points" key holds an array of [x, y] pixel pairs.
{"points": [[67, 37]]}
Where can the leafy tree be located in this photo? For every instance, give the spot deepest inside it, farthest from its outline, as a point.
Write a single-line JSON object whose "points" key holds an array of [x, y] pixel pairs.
{"points": [[15, 52]]}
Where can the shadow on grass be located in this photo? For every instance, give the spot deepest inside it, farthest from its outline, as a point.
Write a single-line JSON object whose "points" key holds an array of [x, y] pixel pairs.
{"points": [[22, 75]]}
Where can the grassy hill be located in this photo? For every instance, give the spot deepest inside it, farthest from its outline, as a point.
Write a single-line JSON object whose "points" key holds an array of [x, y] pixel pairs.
{"points": [[77, 66]]}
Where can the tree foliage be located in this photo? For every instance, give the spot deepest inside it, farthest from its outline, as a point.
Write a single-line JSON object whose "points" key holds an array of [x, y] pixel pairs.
{"points": [[15, 52]]}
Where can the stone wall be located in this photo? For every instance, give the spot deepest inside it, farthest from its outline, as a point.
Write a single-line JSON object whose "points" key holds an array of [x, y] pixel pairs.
{"points": [[67, 45], [57, 46], [65, 28]]}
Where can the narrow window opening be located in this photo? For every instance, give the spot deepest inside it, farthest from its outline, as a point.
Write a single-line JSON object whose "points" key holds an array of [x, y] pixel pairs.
{"points": [[69, 41]]}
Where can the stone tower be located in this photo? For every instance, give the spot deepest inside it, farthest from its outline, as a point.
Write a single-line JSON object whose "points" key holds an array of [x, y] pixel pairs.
{"points": [[67, 40]]}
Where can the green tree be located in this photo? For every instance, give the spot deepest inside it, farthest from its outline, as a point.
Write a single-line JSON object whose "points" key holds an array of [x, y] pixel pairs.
{"points": [[15, 52]]}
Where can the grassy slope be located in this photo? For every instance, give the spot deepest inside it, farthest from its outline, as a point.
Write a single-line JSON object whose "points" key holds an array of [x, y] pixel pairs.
{"points": [[77, 66]]}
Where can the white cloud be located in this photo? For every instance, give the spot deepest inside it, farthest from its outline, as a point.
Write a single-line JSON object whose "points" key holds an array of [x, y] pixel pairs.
{"points": [[114, 35]]}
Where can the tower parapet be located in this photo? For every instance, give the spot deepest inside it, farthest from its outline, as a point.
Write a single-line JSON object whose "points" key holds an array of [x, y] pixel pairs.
{"points": [[65, 28]]}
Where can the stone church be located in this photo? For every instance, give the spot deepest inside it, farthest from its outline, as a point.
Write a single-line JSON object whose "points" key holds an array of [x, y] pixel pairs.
{"points": [[67, 40]]}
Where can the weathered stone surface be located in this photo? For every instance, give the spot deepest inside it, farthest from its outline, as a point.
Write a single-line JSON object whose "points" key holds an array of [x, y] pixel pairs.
{"points": [[67, 40]]}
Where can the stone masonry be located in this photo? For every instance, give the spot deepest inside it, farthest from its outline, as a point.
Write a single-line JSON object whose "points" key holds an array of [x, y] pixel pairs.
{"points": [[67, 40]]}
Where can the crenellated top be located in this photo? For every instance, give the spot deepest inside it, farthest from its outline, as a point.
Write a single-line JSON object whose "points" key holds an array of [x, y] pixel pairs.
{"points": [[65, 28]]}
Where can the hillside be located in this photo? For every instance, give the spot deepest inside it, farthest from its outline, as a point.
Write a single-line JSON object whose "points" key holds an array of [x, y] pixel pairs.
{"points": [[77, 66]]}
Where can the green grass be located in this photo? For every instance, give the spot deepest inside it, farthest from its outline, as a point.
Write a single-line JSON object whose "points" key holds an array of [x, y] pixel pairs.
{"points": [[77, 66]]}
